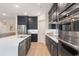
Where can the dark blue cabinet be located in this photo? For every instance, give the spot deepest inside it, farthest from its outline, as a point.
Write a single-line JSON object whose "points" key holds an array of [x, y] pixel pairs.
{"points": [[52, 26], [22, 20], [76, 25], [60, 26], [32, 22], [67, 50], [24, 46], [34, 37], [52, 46], [66, 26]]}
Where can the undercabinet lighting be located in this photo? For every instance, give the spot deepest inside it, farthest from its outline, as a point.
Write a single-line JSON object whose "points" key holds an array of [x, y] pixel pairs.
{"points": [[4, 14]]}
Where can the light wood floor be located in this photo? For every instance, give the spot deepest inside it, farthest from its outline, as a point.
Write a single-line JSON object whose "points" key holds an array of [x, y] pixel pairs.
{"points": [[38, 49]]}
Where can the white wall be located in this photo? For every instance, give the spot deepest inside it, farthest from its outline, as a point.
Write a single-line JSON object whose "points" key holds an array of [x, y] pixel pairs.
{"points": [[42, 27], [5, 26]]}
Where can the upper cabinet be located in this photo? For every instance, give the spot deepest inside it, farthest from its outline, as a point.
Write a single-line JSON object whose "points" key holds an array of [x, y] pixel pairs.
{"points": [[69, 16], [53, 16], [33, 22], [60, 11], [66, 27], [52, 26], [76, 25], [30, 21], [22, 20], [69, 11], [63, 6], [53, 13]]}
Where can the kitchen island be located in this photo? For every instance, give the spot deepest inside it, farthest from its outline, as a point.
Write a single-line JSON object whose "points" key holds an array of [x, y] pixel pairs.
{"points": [[16, 45]]}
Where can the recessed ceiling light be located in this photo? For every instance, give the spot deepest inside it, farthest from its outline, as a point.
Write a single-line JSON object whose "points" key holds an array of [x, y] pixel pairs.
{"points": [[38, 13], [25, 13], [4, 14], [17, 6]]}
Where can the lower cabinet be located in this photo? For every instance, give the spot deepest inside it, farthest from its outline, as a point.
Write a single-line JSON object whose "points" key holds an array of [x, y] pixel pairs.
{"points": [[52, 50], [55, 50], [66, 50], [34, 37], [24, 47], [28, 44], [52, 46], [21, 49]]}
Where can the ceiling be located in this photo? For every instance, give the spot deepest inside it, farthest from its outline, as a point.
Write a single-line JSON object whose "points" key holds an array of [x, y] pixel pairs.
{"points": [[9, 11]]}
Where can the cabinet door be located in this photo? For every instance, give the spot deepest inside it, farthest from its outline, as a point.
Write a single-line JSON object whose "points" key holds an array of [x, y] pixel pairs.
{"points": [[55, 15], [52, 46], [47, 41], [21, 49], [34, 37], [27, 47], [65, 10], [60, 26], [63, 6], [55, 52], [52, 26], [32, 23], [67, 26], [22, 20], [66, 50], [48, 44], [76, 25], [28, 44], [52, 50]]}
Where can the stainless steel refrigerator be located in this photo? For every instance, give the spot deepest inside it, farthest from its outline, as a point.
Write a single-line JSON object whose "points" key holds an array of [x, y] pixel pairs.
{"points": [[22, 29]]}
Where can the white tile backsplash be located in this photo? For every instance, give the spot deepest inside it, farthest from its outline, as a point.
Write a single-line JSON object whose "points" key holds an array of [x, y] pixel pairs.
{"points": [[32, 31], [53, 31]]}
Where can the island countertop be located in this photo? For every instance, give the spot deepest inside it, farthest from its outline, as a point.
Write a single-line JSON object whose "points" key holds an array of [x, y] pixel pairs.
{"points": [[53, 37], [9, 45]]}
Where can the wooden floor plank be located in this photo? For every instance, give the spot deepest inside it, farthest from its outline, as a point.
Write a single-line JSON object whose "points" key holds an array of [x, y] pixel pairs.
{"points": [[38, 49]]}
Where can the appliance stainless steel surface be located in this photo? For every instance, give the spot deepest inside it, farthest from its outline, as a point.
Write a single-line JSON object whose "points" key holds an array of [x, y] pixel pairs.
{"points": [[22, 29]]}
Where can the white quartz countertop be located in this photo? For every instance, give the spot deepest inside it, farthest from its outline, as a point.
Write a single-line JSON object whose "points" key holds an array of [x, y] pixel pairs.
{"points": [[15, 38], [9, 45], [53, 37]]}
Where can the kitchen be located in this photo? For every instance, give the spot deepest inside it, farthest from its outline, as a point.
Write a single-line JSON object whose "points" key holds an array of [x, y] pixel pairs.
{"points": [[39, 29]]}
